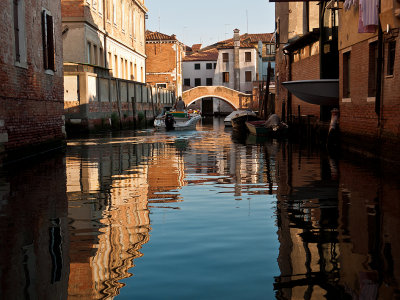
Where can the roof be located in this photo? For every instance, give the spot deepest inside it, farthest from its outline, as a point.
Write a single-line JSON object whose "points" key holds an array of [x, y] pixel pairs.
{"points": [[206, 55], [196, 47], [253, 38], [230, 44], [156, 36]]}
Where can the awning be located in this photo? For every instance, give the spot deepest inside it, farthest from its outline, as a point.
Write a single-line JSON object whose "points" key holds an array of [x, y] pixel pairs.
{"points": [[319, 92]]}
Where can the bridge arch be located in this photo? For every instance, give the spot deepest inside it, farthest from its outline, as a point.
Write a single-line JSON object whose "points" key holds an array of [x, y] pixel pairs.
{"points": [[236, 99]]}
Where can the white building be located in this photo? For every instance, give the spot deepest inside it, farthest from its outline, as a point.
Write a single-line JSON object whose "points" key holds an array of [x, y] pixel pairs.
{"points": [[106, 33]]}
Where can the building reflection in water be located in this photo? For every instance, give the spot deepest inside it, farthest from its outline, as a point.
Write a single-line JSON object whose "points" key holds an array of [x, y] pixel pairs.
{"points": [[109, 188], [337, 225], [34, 250]]}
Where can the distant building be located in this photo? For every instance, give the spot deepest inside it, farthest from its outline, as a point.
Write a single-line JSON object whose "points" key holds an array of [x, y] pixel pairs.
{"points": [[31, 70], [237, 63], [106, 33], [164, 61]]}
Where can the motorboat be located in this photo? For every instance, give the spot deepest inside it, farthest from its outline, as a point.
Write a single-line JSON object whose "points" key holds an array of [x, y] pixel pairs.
{"points": [[177, 120], [258, 128], [228, 119]]}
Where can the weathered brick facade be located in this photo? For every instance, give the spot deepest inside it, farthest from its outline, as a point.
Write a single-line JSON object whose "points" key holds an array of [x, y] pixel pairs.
{"points": [[164, 61], [31, 96]]}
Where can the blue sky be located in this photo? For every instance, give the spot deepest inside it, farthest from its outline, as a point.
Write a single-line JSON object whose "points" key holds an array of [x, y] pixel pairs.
{"points": [[209, 21]]}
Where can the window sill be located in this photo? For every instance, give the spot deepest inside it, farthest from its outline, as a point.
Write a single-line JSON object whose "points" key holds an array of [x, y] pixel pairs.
{"points": [[49, 72], [389, 76], [346, 100], [371, 99], [22, 65]]}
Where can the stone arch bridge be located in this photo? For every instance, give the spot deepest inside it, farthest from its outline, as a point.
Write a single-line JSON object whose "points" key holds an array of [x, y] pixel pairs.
{"points": [[237, 100]]}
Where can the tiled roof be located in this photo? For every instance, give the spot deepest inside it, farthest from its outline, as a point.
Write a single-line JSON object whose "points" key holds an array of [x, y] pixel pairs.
{"points": [[252, 38], [229, 45], [207, 55], [196, 47], [156, 36]]}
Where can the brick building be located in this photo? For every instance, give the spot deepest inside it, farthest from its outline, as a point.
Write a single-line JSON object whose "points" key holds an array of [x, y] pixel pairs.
{"points": [[369, 78], [164, 61], [31, 90], [106, 33]]}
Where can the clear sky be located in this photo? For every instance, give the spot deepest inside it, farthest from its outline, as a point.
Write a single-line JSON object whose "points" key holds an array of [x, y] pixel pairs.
{"points": [[209, 21]]}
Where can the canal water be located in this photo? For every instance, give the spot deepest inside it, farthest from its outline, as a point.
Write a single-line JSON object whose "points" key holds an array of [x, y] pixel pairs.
{"points": [[202, 214]]}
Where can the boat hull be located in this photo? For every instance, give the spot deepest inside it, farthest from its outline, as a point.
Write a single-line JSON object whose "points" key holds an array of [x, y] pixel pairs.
{"points": [[319, 92], [180, 123]]}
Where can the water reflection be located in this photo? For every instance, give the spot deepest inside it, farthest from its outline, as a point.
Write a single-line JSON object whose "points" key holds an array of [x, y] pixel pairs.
{"points": [[119, 215], [34, 250]]}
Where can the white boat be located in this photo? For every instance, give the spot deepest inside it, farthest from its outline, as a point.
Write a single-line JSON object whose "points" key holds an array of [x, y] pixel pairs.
{"points": [[180, 120], [320, 92], [228, 119]]}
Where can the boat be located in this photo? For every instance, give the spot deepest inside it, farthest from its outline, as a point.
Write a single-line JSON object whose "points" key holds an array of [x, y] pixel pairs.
{"points": [[320, 92], [238, 121], [227, 120], [258, 128], [177, 120]]}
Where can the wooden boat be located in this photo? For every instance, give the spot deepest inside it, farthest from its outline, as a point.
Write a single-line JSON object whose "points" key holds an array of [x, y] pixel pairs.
{"points": [[239, 121], [228, 119], [180, 120], [258, 128]]}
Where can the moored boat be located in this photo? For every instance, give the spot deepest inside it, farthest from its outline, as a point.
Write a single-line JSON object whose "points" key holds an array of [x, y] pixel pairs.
{"points": [[260, 129], [238, 121], [228, 118], [177, 120]]}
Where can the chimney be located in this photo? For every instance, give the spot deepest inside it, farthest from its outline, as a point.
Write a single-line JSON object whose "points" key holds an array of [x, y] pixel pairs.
{"points": [[236, 67]]}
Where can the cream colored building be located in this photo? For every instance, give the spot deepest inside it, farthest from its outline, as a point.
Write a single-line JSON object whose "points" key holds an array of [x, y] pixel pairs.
{"points": [[106, 33]]}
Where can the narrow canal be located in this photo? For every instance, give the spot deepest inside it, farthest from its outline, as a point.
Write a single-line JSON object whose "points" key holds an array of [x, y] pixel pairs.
{"points": [[197, 215]]}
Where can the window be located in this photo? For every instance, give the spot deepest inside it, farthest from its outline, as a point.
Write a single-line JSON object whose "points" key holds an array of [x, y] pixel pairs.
{"points": [[372, 69], [197, 81], [95, 55], [247, 56], [197, 66], [225, 76], [186, 82], [208, 66], [100, 7], [19, 33], [89, 52], [48, 41], [94, 4], [141, 74], [115, 11], [101, 56], [209, 81], [346, 75], [122, 69], [215, 65], [108, 9], [248, 76], [122, 16], [109, 60], [131, 70], [161, 85], [391, 57], [135, 72], [115, 66], [225, 57]]}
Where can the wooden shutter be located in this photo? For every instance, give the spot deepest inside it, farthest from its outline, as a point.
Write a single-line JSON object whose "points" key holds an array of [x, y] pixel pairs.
{"points": [[16, 31], [50, 43], [44, 35]]}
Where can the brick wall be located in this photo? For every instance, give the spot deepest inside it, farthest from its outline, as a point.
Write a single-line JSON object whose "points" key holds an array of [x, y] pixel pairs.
{"points": [[31, 99], [305, 69], [358, 120]]}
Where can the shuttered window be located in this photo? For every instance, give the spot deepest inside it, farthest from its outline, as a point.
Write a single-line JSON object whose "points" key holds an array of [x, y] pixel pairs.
{"points": [[16, 31], [48, 41]]}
